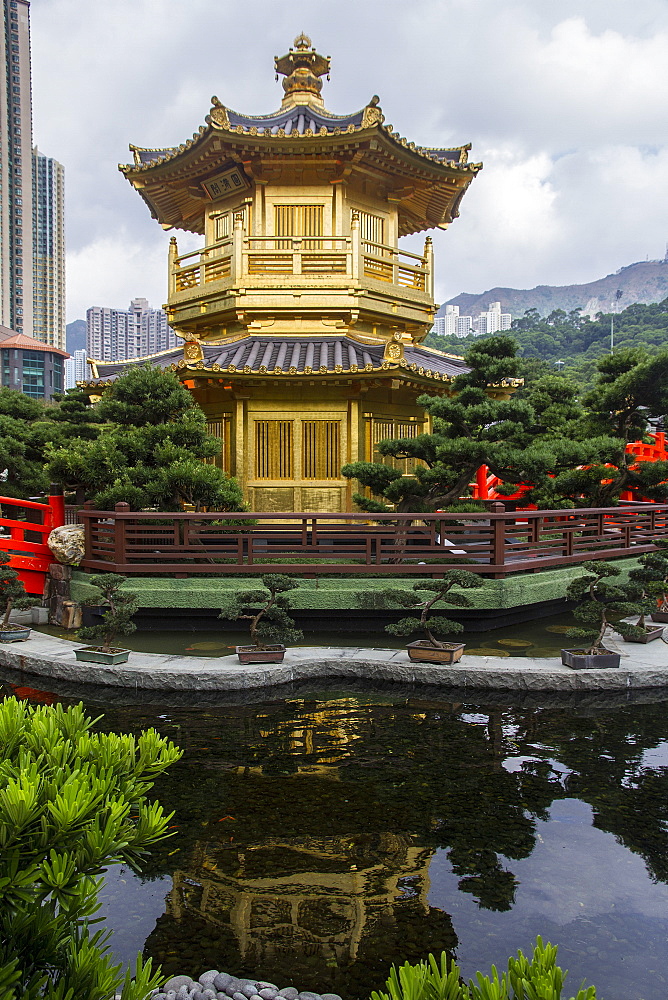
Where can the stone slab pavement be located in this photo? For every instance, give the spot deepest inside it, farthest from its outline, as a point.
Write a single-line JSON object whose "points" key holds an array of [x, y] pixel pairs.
{"points": [[642, 666]]}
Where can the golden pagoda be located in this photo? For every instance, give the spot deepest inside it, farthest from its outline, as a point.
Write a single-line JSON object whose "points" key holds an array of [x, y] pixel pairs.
{"points": [[302, 318]]}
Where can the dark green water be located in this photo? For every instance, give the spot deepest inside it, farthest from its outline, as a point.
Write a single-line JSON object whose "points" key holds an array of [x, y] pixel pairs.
{"points": [[322, 836], [543, 637]]}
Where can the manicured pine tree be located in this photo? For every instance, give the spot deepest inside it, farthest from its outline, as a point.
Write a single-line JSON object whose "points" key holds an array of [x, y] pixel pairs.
{"points": [[524, 439], [149, 451]]}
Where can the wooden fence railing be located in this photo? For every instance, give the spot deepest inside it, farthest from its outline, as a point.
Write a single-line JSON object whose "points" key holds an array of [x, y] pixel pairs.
{"points": [[494, 543]]}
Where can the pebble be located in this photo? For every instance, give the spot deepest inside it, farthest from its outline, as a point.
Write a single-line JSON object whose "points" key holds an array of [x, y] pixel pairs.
{"points": [[176, 982], [215, 985]]}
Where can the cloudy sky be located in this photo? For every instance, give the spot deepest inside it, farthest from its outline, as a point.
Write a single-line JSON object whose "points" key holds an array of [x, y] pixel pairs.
{"points": [[564, 102]]}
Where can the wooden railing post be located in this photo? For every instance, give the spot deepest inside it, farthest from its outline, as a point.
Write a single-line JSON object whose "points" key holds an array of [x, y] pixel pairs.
{"points": [[120, 556], [498, 535]]}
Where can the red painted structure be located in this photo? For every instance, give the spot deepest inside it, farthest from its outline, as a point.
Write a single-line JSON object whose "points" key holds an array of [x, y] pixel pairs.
{"points": [[24, 529], [486, 483]]}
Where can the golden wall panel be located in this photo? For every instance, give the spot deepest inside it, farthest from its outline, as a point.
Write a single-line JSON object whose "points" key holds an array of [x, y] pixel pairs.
{"points": [[273, 499], [322, 499]]}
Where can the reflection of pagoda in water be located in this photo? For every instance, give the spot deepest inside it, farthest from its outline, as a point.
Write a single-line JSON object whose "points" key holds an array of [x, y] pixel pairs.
{"points": [[303, 896], [335, 908]]}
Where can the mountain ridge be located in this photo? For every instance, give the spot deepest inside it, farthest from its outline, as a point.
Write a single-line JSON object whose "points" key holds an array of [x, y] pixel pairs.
{"points": [[644, 281]]}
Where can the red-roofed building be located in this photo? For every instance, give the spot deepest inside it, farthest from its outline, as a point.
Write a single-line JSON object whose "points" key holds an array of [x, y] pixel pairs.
{"points": [[29, 365]]}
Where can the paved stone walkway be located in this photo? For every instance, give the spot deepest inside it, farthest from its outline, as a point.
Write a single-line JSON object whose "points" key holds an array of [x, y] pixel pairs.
{"points": [[642, 666]]}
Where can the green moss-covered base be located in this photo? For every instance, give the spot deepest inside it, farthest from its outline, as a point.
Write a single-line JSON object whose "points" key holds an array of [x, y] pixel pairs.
{"points": [[518, 590]]}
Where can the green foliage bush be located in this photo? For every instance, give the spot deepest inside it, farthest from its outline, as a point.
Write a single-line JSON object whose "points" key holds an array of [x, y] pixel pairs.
{"points": [[149, 450], [12, 591], [270, 623], [117, 620], [539, 978], [600, 598], [72, 801], [439, 591]]}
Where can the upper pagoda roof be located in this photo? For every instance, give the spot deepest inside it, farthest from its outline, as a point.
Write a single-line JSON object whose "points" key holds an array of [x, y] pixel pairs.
{"points": [[428, 182]]}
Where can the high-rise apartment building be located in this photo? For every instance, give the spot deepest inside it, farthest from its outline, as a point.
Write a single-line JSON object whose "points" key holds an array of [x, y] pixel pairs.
{"points": [[492, 321], [48, 177], [16, 192], [75, 369], [32, 231], [121, 334]]}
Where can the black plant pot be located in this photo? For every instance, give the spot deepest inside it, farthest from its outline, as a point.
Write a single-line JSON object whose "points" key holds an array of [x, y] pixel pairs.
{"points": [[577, 659]]}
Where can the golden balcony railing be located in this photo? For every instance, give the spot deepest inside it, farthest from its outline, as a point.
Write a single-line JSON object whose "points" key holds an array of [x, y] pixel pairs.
{"points": [[301, 258]]}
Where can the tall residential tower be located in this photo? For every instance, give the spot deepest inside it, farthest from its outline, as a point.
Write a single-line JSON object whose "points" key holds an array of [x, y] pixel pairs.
{"points": [[16, 205], [48, 178], [32, 230]]}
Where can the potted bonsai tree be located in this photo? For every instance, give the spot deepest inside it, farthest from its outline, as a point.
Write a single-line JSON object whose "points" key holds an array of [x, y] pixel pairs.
{"points": [[656, 581], [647, 587], [12, 598], [600, 598], [430, 649], [271, 627], [116, 621]]}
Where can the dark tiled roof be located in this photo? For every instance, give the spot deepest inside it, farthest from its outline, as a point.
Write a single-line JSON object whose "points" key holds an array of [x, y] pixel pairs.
{"points": [[299, 356], [303, 121], [296, 120]]}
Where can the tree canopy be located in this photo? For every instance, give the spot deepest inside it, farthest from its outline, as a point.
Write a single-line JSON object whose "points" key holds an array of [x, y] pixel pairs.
{"points": [[149, 450], [568, 450]]}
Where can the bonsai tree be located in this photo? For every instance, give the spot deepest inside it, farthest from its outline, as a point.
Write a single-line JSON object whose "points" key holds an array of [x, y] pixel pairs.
{"points": [[117, 620], [650, 580], [74, 801], [440, 591], [270, 624], [600, 598], [12, 592]]}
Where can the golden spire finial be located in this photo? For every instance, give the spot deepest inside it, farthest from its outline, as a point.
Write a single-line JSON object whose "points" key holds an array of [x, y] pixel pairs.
{"points": [[302, 68]]}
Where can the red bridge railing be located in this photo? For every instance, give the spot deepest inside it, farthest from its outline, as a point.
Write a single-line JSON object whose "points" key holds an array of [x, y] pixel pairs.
{"points": [[494, 543], [24, 529]]}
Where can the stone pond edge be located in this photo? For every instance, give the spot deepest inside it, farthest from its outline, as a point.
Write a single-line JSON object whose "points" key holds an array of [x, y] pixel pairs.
{"points": [[642, 666]]}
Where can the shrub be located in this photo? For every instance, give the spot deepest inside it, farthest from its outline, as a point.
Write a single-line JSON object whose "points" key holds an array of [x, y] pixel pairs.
{"points": [[270, 624], [537, 979], [439, 591], [72, 801], [117, 620], [12, 591]]}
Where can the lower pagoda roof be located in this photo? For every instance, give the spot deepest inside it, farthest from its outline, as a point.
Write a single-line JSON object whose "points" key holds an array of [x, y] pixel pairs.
{"points": [[292, 356]]}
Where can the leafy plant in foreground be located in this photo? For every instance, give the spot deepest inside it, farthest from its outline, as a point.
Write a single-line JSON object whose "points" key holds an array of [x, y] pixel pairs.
{"points": [[72, 801], [539, 978]]}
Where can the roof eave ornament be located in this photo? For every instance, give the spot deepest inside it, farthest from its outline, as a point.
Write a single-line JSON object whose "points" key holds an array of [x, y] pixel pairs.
{"points": [[302, 68]]}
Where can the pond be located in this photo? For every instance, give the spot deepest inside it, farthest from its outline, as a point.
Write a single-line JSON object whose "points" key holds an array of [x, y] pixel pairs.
{"points": [[322, 836], [540, 637]]}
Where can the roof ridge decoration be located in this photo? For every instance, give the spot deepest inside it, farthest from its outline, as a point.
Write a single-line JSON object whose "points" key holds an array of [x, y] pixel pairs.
{"points": [[302, 68]]}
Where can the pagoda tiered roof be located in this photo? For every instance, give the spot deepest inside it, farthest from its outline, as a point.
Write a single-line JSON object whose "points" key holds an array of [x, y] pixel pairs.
{"points": [[295, 356]]}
